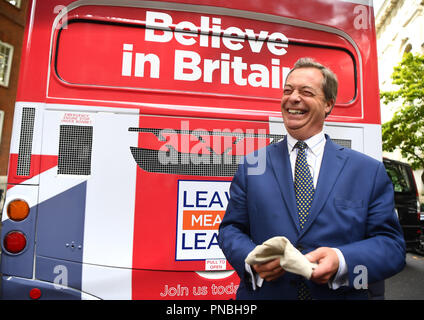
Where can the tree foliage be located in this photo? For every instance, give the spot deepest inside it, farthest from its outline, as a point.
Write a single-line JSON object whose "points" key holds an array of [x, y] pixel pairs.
{"points": [[406, 129]]}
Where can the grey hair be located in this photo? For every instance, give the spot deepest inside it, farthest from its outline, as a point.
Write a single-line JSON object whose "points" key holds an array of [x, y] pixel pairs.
{"points": [[329, 82]]}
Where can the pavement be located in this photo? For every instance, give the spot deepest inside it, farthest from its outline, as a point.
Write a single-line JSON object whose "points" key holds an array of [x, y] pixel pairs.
{"points": [[409, 283]]}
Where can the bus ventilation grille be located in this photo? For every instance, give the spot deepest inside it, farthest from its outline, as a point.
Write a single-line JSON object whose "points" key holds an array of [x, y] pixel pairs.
{"points": [[174, 162], [75, 144], [25, 142], [343, 142], [212, 165], [207, 165]]}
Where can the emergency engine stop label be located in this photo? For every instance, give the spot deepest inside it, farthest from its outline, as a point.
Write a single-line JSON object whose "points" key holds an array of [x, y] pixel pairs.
{"points": [[201, 207]]}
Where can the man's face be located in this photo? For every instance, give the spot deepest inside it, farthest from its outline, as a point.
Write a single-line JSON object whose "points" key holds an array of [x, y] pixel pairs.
{"points": [[303, 105]]}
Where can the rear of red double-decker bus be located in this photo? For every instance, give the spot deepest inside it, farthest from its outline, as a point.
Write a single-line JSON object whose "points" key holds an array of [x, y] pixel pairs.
{"points": [[130, 121]]}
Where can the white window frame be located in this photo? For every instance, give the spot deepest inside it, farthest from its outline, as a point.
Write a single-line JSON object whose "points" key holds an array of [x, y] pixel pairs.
{"points": [[5, 81], [1, 125], [15, 3]]}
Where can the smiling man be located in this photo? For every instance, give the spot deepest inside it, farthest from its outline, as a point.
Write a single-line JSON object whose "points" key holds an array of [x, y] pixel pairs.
{"points": [[335, 205], [305, 104]]}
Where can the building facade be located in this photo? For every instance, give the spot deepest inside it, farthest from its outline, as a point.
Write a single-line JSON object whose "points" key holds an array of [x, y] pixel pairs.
{"points": [[399, 29], [12, 23]]}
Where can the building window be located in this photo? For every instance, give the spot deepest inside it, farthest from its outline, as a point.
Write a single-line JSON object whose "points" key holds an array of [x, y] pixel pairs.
{"points": [[6, 54], [16, 3]]}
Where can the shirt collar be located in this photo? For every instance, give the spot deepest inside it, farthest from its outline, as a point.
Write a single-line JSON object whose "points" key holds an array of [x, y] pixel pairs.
{"points": [[315, 143]]}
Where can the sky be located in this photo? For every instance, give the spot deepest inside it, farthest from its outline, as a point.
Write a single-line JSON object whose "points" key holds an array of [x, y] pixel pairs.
{"points": [[377, 4]]}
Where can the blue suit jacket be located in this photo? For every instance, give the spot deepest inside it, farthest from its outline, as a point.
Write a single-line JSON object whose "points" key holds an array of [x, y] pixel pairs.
{"points": [[353, 210]]}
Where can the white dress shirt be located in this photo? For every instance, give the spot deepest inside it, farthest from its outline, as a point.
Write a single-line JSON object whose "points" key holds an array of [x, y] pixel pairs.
{"points": [[314, 154]]}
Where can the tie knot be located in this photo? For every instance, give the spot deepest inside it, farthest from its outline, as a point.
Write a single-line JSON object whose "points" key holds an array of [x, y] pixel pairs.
{"points": [[301, 145]]}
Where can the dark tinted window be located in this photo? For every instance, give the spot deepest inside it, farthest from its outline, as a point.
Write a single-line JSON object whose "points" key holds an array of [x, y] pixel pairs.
{"points": [[399, 175]]}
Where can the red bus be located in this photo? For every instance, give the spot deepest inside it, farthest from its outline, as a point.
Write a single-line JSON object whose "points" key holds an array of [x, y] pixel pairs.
{"points": [[131, 118]]}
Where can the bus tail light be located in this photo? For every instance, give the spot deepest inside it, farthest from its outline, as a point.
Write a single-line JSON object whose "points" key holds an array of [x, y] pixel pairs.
{"points": [[18, 210], [35, 293], [14, 242]]}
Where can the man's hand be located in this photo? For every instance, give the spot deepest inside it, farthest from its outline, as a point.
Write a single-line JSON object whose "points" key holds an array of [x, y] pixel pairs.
{"points": [[269, 271], [328, 264]]}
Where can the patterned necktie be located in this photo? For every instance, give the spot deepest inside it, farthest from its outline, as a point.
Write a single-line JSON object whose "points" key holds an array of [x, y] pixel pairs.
{"points": [[303, 184], [304, 190]]}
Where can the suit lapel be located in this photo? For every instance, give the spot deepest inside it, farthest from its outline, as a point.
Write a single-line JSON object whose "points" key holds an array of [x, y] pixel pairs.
{"points": [[332, 164], [281, 167]]}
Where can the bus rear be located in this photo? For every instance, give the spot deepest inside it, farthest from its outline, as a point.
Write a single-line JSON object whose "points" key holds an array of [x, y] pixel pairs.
{"points": [[130, 121]]}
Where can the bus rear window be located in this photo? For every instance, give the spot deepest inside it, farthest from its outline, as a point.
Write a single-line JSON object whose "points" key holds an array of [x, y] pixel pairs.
{"points": [[242, 61]]}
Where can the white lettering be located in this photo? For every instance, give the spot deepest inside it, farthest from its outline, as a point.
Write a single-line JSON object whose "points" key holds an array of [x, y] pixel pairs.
{"points": [[141, 58], [276, 43], [204, 31], [275, 73], [186, 38], [209, 67], [158, 22], [190, 67], [225, 68], [127, 60], [256, 43], [239, 66], [216, 32], [181, 65], [261, 78], [229, 39], [158, 29], [285, 74]]}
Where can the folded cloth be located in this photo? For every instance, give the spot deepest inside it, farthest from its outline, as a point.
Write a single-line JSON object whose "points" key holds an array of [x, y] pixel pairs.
{"points": [[291, 259]]}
